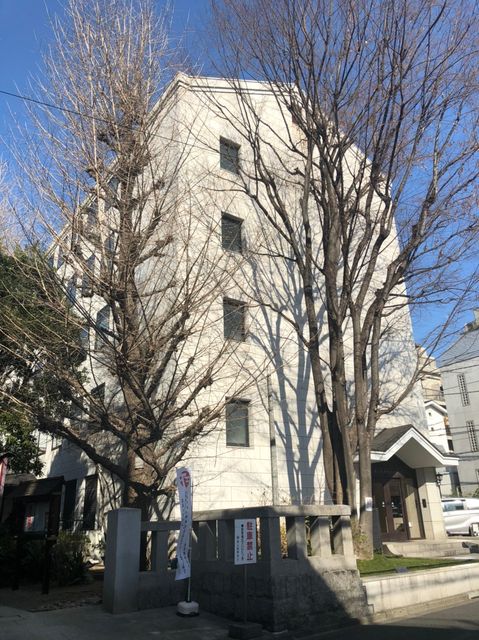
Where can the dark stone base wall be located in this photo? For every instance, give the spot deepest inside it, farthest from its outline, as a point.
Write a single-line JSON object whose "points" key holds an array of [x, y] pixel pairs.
{"points": [[297, 600]]}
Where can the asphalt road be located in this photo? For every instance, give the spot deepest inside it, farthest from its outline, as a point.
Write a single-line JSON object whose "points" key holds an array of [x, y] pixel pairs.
{"points": [[456, 623]]}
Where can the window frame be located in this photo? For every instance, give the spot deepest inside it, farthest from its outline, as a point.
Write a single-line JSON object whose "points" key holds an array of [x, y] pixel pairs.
{"points": [[229, 218], [102, 328], [90, 502], [463, 391], [237, 402], [71, 291], [472, 435], [227, 163], [87, 277], [241, 307]]}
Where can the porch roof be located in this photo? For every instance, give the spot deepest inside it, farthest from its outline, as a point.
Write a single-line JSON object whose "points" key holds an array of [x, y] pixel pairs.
{"points": [[411, 446]]}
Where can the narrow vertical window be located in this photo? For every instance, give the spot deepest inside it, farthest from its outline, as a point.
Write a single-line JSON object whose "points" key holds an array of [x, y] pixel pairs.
{"points": [[97, 403], [471, 434], [237, 423], [87, 279], [109, 249], [234, 314], [85, 338], [111, 192], [229, 155], [231, 233], [69, 500], [463, 392], [90, 503], [72, 291], [102, 325], [91, 216], [60, 259]]}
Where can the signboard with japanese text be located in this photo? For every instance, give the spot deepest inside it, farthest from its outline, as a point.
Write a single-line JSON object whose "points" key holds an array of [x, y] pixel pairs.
{"points": [[245, 541], [183, 481]]}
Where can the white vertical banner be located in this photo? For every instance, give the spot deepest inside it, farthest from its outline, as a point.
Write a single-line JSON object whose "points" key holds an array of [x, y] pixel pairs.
{"points": [[245, 541], [183, 482]]}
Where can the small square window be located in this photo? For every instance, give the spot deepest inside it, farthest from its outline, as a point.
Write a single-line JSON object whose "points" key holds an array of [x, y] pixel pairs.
{"points": [[229, 155], [231, 233], [234, 315], [237, 423]]}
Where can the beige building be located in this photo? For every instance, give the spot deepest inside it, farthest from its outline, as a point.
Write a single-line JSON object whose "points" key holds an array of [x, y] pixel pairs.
{"points": [[268, 446]]}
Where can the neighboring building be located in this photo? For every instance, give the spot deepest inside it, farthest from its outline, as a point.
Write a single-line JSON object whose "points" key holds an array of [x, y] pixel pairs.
{"points": [[437, 420], [236, 465], [459, 366]]}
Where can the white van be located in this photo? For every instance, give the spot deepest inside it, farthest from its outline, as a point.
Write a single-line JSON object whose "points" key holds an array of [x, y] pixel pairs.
{"points": [[461, 516]]}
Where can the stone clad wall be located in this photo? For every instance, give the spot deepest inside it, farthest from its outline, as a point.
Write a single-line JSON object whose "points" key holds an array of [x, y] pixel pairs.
{"points": [[305, 576]]}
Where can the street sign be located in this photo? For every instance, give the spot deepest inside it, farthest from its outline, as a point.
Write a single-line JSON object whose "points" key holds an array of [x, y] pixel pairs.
{"points": [[245, 541]]}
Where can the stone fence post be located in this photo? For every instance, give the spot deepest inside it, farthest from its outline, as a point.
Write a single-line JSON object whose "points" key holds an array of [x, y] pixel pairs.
{"points": [[122, 561]]}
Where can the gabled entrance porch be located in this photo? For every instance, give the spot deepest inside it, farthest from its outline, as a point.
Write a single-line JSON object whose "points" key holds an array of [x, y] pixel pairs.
{"points": [[406, 498]]}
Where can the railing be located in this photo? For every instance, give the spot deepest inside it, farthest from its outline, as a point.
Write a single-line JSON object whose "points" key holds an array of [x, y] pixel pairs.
{"points": [[301, 550]]}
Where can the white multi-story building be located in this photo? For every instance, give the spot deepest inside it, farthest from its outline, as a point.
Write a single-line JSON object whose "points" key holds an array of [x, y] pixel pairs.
{"points": [[459, 366], [268, 447]]}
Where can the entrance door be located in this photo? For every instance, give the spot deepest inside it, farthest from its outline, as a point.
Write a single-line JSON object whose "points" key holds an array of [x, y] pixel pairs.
{"points": [[391, 505], [396, 501], [396, 510]]}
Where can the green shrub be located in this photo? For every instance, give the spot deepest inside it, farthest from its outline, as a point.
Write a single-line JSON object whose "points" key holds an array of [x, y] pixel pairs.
{"points": [[68, 558]]}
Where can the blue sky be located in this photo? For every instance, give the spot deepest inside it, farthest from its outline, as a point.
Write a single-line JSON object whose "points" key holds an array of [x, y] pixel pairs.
{"points": [[25, 31]]}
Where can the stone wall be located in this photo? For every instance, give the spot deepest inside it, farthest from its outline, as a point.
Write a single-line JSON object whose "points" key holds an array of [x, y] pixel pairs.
{"points": [[305, 575]]}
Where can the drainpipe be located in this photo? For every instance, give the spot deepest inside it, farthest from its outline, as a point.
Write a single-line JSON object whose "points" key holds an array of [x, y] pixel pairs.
{"points": [[272, 443]]}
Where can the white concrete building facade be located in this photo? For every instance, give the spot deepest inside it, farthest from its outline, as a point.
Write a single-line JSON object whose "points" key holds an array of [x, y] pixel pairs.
{"points": [[268, 447]]}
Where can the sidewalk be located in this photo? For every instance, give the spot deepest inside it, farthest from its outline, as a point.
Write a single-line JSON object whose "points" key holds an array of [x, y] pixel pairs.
{"points": [[91, 622]]}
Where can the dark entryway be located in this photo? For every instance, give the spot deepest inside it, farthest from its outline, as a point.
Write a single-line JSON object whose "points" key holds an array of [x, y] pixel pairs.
{"points": [[396, 500]]}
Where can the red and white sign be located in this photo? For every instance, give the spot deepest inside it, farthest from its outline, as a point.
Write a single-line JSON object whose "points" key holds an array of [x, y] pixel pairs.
{"points": [[245, 541], [183, 482]]}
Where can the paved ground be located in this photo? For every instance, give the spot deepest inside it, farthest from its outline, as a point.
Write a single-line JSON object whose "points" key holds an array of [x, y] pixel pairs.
{"points": [[456, 623], [90, 622]]}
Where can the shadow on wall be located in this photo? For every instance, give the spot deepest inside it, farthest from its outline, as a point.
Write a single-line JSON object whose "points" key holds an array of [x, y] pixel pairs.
{"points": [[295, 412]]}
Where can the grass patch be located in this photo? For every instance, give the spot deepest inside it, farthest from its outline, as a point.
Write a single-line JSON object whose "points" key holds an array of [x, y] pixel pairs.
{"points": [[384, 564]]}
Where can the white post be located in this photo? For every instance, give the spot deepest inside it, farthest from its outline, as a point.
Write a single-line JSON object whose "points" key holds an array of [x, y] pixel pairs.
{"points": [[122, 561]]}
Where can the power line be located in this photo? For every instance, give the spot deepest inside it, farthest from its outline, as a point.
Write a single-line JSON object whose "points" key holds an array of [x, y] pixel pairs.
{"points": [[94, 118]]}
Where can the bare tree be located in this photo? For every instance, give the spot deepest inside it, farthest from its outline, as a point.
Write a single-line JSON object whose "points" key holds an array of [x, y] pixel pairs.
{"points": [[369, 186], [136, 256]]}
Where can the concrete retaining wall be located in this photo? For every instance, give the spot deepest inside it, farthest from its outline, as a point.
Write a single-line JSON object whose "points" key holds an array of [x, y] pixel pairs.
{"points": [[387, 593]]}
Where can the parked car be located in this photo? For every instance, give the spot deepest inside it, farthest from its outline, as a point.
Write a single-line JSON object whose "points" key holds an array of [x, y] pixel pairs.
{"points": [[461, 516]]}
